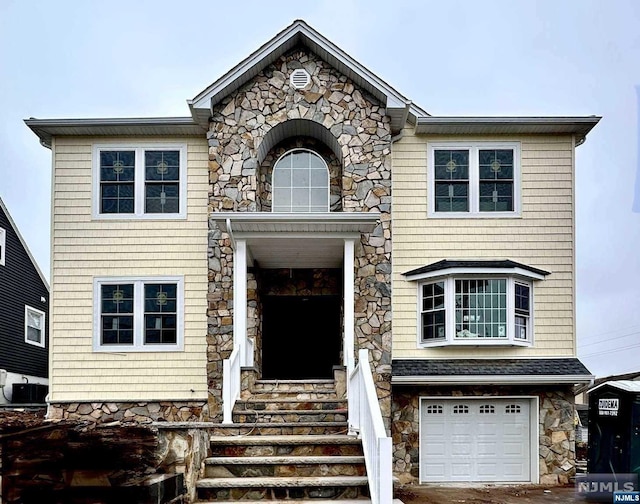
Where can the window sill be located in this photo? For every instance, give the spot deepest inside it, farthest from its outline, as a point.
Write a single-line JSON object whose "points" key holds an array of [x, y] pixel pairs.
{"points": [[143, 217], [125, 349], [475, 343], [474, 215]]}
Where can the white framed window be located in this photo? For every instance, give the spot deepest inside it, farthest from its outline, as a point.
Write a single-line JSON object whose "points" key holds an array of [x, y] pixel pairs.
{"points": [[474, 179], [3, 246], [300, 183], [475, 310], [34, 325], [141, 314], [140, 181]]}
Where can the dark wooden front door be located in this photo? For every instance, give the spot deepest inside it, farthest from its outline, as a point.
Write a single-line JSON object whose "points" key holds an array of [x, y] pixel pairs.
{"points": [[301, 337]]}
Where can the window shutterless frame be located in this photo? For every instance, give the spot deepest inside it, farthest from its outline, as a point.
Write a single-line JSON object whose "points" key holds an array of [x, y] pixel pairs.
{"points": [[141, 186], [470, 185], [513, 330], [140, 313], [34, 326]]}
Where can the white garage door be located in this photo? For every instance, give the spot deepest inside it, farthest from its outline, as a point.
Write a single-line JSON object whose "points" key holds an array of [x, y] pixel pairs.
{"points": [[475, 440]]}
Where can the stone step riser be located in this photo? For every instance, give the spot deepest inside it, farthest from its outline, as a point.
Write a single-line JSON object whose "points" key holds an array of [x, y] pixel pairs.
{"points": [[288, 417], [319, 395], [282, 493], [283, 449], [290, 405], [250, 470], [271, 430]]}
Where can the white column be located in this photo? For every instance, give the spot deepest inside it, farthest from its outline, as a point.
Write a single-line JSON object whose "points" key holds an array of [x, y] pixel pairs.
{"points": [[240, 299], [349, 302]]}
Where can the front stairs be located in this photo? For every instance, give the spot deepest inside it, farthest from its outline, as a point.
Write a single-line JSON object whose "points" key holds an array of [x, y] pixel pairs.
{"points": [[288, 441]]}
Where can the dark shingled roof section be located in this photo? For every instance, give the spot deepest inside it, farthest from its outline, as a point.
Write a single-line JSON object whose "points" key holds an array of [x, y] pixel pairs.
{"points": [[446, 264], [515, 367]]}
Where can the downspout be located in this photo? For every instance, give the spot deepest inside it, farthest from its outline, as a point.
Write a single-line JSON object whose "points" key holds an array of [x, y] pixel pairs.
{"points": [[230, 233], [405, 116]]}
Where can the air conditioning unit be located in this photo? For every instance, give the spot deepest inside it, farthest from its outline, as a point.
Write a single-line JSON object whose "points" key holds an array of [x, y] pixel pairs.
{"points": [[29, 393]]}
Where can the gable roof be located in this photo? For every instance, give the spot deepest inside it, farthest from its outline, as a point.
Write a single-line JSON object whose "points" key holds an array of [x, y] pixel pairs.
{"points": [[23, 243], [399, 108]]}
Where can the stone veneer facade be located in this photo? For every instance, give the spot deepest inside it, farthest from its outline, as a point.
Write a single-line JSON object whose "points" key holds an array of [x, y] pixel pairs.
{"points": [[360, 181], [556, 429]]}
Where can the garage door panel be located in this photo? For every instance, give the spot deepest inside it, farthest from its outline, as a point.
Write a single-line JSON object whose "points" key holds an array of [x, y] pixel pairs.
{"points": [[435, 449], [486, 450], [475, 440], [486, 471], [436, 470], [460, 470]]}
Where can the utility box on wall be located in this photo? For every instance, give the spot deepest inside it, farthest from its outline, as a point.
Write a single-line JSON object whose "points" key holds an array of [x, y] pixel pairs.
{"points": [[614, 428], [29, 393]]}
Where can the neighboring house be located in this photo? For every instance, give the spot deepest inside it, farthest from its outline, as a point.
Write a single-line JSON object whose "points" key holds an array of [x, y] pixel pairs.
{"points": [[24, 318], [303, 212]]}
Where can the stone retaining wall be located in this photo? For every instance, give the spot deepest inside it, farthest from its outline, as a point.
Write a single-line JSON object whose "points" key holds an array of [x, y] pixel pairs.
{"points": [[556, 417]]}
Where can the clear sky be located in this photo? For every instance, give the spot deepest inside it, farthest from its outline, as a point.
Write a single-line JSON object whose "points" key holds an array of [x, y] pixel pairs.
{"points": [[74, 59]]}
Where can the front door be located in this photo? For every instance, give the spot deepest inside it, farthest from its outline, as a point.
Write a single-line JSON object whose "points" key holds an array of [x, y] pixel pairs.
{"points": [[301, 337]]}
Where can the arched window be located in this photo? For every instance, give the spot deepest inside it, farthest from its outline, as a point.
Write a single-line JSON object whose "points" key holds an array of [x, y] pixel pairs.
{"points": [[300, 183]]}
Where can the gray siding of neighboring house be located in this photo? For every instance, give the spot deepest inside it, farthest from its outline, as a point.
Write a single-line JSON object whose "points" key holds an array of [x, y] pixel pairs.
{"points": [[20, 285]]}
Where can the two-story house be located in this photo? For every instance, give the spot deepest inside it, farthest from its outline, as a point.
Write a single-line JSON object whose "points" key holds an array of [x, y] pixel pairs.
{"points": [[306, 211], [24, 319]]}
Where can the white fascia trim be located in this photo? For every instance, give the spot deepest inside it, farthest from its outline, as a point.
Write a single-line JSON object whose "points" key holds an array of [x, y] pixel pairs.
{"points": [[521, 272], [203, 99], [491, 379], [276, 218]]}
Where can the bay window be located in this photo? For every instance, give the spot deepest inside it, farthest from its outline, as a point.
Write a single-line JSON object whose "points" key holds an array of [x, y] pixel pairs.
{"points": [[475, 310]]}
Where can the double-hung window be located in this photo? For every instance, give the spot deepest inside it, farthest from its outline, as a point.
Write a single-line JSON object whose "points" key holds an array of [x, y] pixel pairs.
{"points": [[134, 181], [3, 246], [475, 310], [480, 179], [34, 326], [138, 314]]}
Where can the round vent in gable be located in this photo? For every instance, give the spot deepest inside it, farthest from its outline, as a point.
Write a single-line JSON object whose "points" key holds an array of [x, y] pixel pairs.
{"points": [[300, 78]]}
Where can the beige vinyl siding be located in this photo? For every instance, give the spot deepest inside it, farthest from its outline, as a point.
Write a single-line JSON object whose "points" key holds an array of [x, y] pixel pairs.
{"points": [[85, 248], [543, 237]]}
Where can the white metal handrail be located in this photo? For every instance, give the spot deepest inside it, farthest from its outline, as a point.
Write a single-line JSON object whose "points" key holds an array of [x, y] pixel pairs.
{"points": [[230, 384], [365, 418]]}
